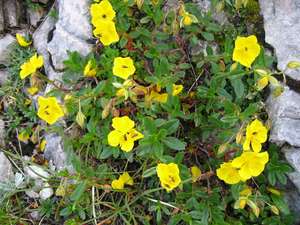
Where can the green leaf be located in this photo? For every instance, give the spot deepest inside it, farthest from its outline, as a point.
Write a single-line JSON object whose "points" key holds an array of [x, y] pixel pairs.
{"points": [[208, 36], [79, 190], [171, 126], [281, 204], [238, 87], [174, 143], [149, 172]]}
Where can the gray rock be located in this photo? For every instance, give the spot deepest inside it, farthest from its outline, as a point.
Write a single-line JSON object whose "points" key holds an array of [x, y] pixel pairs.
{"points": [[35, 16], [206, 7], [2, 24], [32, 194], [4, 74], [53, 39], [5, 42], [58, 49], [292, 155], [2, 133], [284, 112], [41, 37], [292, 197], [71, 14], [46, 192], [12, 13], [36, 172], [6, 172], [54, 152], [35, 215], [282, 29]]}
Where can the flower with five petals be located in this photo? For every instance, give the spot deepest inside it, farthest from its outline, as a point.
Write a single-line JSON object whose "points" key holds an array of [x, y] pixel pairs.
{"points": [[256, 134], [124, 134], [49, 109], [246, 50], [168, 175]]}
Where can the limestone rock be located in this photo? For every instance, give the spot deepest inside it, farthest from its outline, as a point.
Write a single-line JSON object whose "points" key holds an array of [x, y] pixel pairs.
{"points": [[6, 172], [4, 74], [2, 24], [284, 112], [36, 173], [46, 192], [206, 7], [35, 15], [5, 42], [2, 133], [282, 29], [58, 49], [74, 18], [54, 152], [12, 12]]}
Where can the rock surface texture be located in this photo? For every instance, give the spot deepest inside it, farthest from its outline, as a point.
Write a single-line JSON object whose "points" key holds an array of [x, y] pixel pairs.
{"points": [[282, 31], [6, 172], [53, 39]]}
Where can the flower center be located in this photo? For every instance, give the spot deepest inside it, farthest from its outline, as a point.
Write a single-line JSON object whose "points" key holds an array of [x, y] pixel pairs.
{"points": [[124, 66], [246, 49], [104, 16]]}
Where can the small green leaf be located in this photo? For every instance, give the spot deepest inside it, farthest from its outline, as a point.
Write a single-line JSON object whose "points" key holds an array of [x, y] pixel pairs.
{"points": [[174, 143], [79, 190], [149, 172]]}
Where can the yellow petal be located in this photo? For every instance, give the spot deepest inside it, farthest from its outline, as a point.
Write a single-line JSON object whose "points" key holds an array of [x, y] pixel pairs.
{"points": [[114, 138], [32, 90], [126, 178], [177, 89], [42, 145], [196, 173], [246, 50], [117, 184], [123, 124], [127, 145], [262, 83], [23, 137], [22, 41], [123, 67]]}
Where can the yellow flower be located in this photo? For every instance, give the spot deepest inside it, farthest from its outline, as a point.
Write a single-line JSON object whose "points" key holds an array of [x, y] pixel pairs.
{"points": [[177, 89], [262, 82], [157, 97], [22, 41], [106, 32], [124, 89], [196, 173], [49, 109], [124, 134], [187, 18], [168, 175], [250, 164], [246, 50], [30, 67], [88, 70], [32, 90], [256, 134], [242, 201], [42, 145], [27, 101], [117, 184], [102, 11], [123, 67], [125, 178], [228, 173], [23, 136]]}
